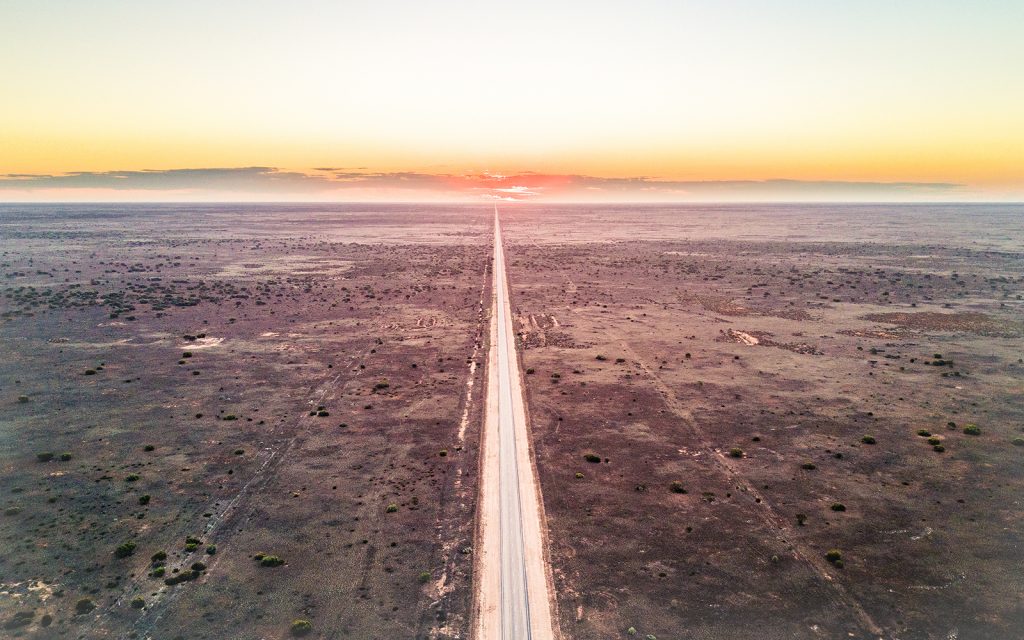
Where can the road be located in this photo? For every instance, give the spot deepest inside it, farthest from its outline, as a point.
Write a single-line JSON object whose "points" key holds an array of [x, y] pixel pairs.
{"points": [[512, 595]]}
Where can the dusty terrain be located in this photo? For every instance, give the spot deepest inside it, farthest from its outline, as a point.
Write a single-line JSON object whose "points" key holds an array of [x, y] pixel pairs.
{"points": [[290, 382], [757, 387]]}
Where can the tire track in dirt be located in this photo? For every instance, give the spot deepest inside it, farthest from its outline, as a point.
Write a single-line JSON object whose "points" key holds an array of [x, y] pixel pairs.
{"points": [[230, 514], [767, 513]]}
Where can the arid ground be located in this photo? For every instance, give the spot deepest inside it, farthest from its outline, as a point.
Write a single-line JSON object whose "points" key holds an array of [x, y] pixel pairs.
{"points": [[759, 386], [253, 421], [261, 381]]}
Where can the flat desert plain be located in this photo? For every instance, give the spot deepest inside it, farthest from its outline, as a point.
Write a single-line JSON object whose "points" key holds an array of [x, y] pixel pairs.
{"points": [[777, 421], [218, 421], [748, 421]]}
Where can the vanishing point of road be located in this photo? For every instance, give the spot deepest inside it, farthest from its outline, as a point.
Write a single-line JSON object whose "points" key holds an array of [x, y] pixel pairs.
{"points": [[512, 596]]}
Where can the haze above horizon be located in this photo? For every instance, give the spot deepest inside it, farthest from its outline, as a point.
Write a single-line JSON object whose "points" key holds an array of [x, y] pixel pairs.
{"points": [[597, 101]]}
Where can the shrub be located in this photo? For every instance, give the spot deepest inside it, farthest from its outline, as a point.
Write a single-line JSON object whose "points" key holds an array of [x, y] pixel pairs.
{"points": [[838, 506], [84, 605], [45, 456], [579, 475], [530, 371], [211, 550], [810, 466], [677, 487], [301, 627], [158, 572], [322, 413], [159, 556], [972, 430], [184, 576], [834, 556], [131, 477], [191, 546], [442, 452], [424, 577], [938, 448], [868, 440], [801, 519], [199, 566], [736, 452], [271, 561], [1017, 442], [125, 549], [601, 358], [187, 354], [592, 458], [148, 447], [138, 602], [924, 433], [65, 457], [934, 441], [144, 500]]}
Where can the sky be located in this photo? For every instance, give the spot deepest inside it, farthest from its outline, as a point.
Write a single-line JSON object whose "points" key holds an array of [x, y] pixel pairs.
{"points": [[552, 101]]}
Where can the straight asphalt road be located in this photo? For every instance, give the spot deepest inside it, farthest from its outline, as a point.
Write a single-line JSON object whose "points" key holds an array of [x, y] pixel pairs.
{"points": [[512, 559]]}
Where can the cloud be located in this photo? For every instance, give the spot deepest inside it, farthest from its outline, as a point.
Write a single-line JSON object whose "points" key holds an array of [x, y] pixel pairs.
{"points": [[341, 184]]}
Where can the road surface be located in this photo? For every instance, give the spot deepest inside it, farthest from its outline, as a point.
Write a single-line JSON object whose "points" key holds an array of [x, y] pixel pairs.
{"points": [[512, 597]]}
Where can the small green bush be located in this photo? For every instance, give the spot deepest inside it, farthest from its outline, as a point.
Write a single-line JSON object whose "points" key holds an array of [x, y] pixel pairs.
{"points": [[1017, 442], [579, 475], [271, 561], [424, 577], [84, 605], [45, 456], [677, 487], [934, 441], [391, 508], [211, 550], [158, 572], [159, 556], [972, 430], [601, 358], [868, 440], [144, 500], [184, 576], [138, 602], [938, 448], [834, 556], [125, 549], [924, 433], [736, 452], [809, 466], [65, 457], [148, 447], [199, 566], [592, 458], [131, 477], [301, 627], [838, 506]]}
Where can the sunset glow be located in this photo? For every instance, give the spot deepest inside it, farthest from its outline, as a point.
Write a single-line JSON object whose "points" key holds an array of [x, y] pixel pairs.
{"points": [[580, 101]]}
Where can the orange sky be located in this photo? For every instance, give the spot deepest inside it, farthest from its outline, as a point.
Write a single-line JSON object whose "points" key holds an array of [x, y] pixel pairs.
{"points": [[677, 93]]}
